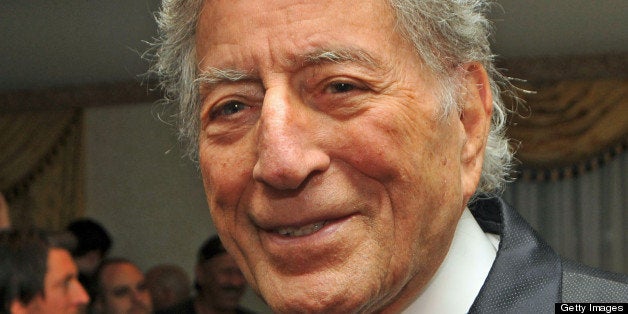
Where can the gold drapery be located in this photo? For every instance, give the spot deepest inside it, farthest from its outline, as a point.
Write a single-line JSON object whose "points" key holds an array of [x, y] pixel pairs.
{"points": [[575, 119], [571, 127], [41, 148], [41, 166]]}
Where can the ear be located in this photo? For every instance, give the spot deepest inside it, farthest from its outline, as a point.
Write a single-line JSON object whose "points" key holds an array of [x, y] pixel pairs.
{"points": [[17, 307], [35, 305], [476, 120]]}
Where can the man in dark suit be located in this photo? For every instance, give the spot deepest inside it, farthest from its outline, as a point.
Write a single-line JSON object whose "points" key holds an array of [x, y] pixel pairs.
{"points": [[340, 144], [526, 267]]}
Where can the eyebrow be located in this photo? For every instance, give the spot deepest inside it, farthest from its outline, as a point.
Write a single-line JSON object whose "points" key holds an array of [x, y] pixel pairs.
{"points": [[213, 76], [340, 56]]}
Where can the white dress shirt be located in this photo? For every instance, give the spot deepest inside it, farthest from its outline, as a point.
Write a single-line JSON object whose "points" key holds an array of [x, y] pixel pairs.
{"points": [[458, 280]]}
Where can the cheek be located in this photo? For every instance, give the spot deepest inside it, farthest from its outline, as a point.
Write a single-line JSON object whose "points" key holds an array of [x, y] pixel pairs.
{"points": [[387, 146], [226, 171], [224, 187], [415, 159]]}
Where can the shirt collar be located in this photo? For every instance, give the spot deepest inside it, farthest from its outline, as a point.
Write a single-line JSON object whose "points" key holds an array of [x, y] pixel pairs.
{"points": [[458, 280]]}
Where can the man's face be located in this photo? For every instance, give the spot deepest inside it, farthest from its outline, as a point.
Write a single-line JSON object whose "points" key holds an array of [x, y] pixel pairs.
{"points": [[329, 175], [63, 292], [221, 281], [123, 290]]}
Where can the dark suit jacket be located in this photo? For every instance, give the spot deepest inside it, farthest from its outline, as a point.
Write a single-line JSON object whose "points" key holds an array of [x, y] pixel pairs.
{"points": [[528, 276]]}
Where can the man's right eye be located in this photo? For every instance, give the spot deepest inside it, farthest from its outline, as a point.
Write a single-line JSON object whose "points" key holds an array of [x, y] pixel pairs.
{"points": [[340, 87], [228, 109], [121, 292]]}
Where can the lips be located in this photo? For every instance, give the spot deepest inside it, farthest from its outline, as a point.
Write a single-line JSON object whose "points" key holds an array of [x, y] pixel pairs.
{"points": [[301, 231], [299, 247]]}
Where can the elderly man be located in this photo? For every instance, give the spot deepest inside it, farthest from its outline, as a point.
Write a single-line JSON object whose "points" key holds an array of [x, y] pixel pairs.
{"points": [[340, 144], [120, 288], [36, 276]]}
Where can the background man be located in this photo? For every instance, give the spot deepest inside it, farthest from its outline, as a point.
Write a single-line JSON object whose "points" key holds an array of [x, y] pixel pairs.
{"points": [[37, 276], [219, 282], [120, 288], [340, 143], [168, 285], [93, 244]]}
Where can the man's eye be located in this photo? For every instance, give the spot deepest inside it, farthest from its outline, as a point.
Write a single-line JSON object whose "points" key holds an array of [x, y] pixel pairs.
{"points": [[230, 108], [121, 292], [142, 287], [340, 87]]}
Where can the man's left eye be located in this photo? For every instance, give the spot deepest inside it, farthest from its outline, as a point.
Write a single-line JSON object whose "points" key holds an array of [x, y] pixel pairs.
{"points": [[121, 292], [142, 287], [340, 87], [228, 109]]}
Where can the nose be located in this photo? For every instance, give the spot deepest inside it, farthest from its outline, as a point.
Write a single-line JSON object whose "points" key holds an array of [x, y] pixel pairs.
{"points": [[288, 141], [80, 296], [140, 294], [141, 297]]}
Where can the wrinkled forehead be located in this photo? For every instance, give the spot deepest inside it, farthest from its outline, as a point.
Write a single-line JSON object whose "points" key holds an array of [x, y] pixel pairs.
{"points": [[279, 31], [224, 13]]}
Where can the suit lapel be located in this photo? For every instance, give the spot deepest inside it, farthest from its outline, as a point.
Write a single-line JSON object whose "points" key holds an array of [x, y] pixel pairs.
{"points": [[526, 275]]}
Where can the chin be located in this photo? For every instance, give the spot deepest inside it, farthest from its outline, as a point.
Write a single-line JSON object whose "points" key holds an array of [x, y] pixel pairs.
{"points": [[336, 301], [347, 290], [327, 302]]}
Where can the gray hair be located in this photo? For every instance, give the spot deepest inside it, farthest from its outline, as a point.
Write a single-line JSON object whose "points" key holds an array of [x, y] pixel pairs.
{"points": [[445, 34]]}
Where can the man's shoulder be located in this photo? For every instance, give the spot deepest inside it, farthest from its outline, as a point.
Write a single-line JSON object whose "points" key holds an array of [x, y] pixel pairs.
{"points": [[529, 276], [582, 283]]}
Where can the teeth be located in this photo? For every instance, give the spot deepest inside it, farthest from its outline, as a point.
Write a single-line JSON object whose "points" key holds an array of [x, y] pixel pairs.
{"points": [[302, 231]]}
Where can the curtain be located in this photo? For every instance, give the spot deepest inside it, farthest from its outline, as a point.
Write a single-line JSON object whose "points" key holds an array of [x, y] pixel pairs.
{"points": [[571, 138], [583, 218], [570, 127], [41, 148], [41, 167]]}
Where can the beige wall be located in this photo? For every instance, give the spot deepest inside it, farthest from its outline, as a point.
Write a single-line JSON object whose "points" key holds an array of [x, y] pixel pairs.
{"points": [[146, 194]]}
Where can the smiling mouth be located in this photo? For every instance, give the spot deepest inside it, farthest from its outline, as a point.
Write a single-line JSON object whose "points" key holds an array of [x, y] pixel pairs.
{"points": [[301, 231]]}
